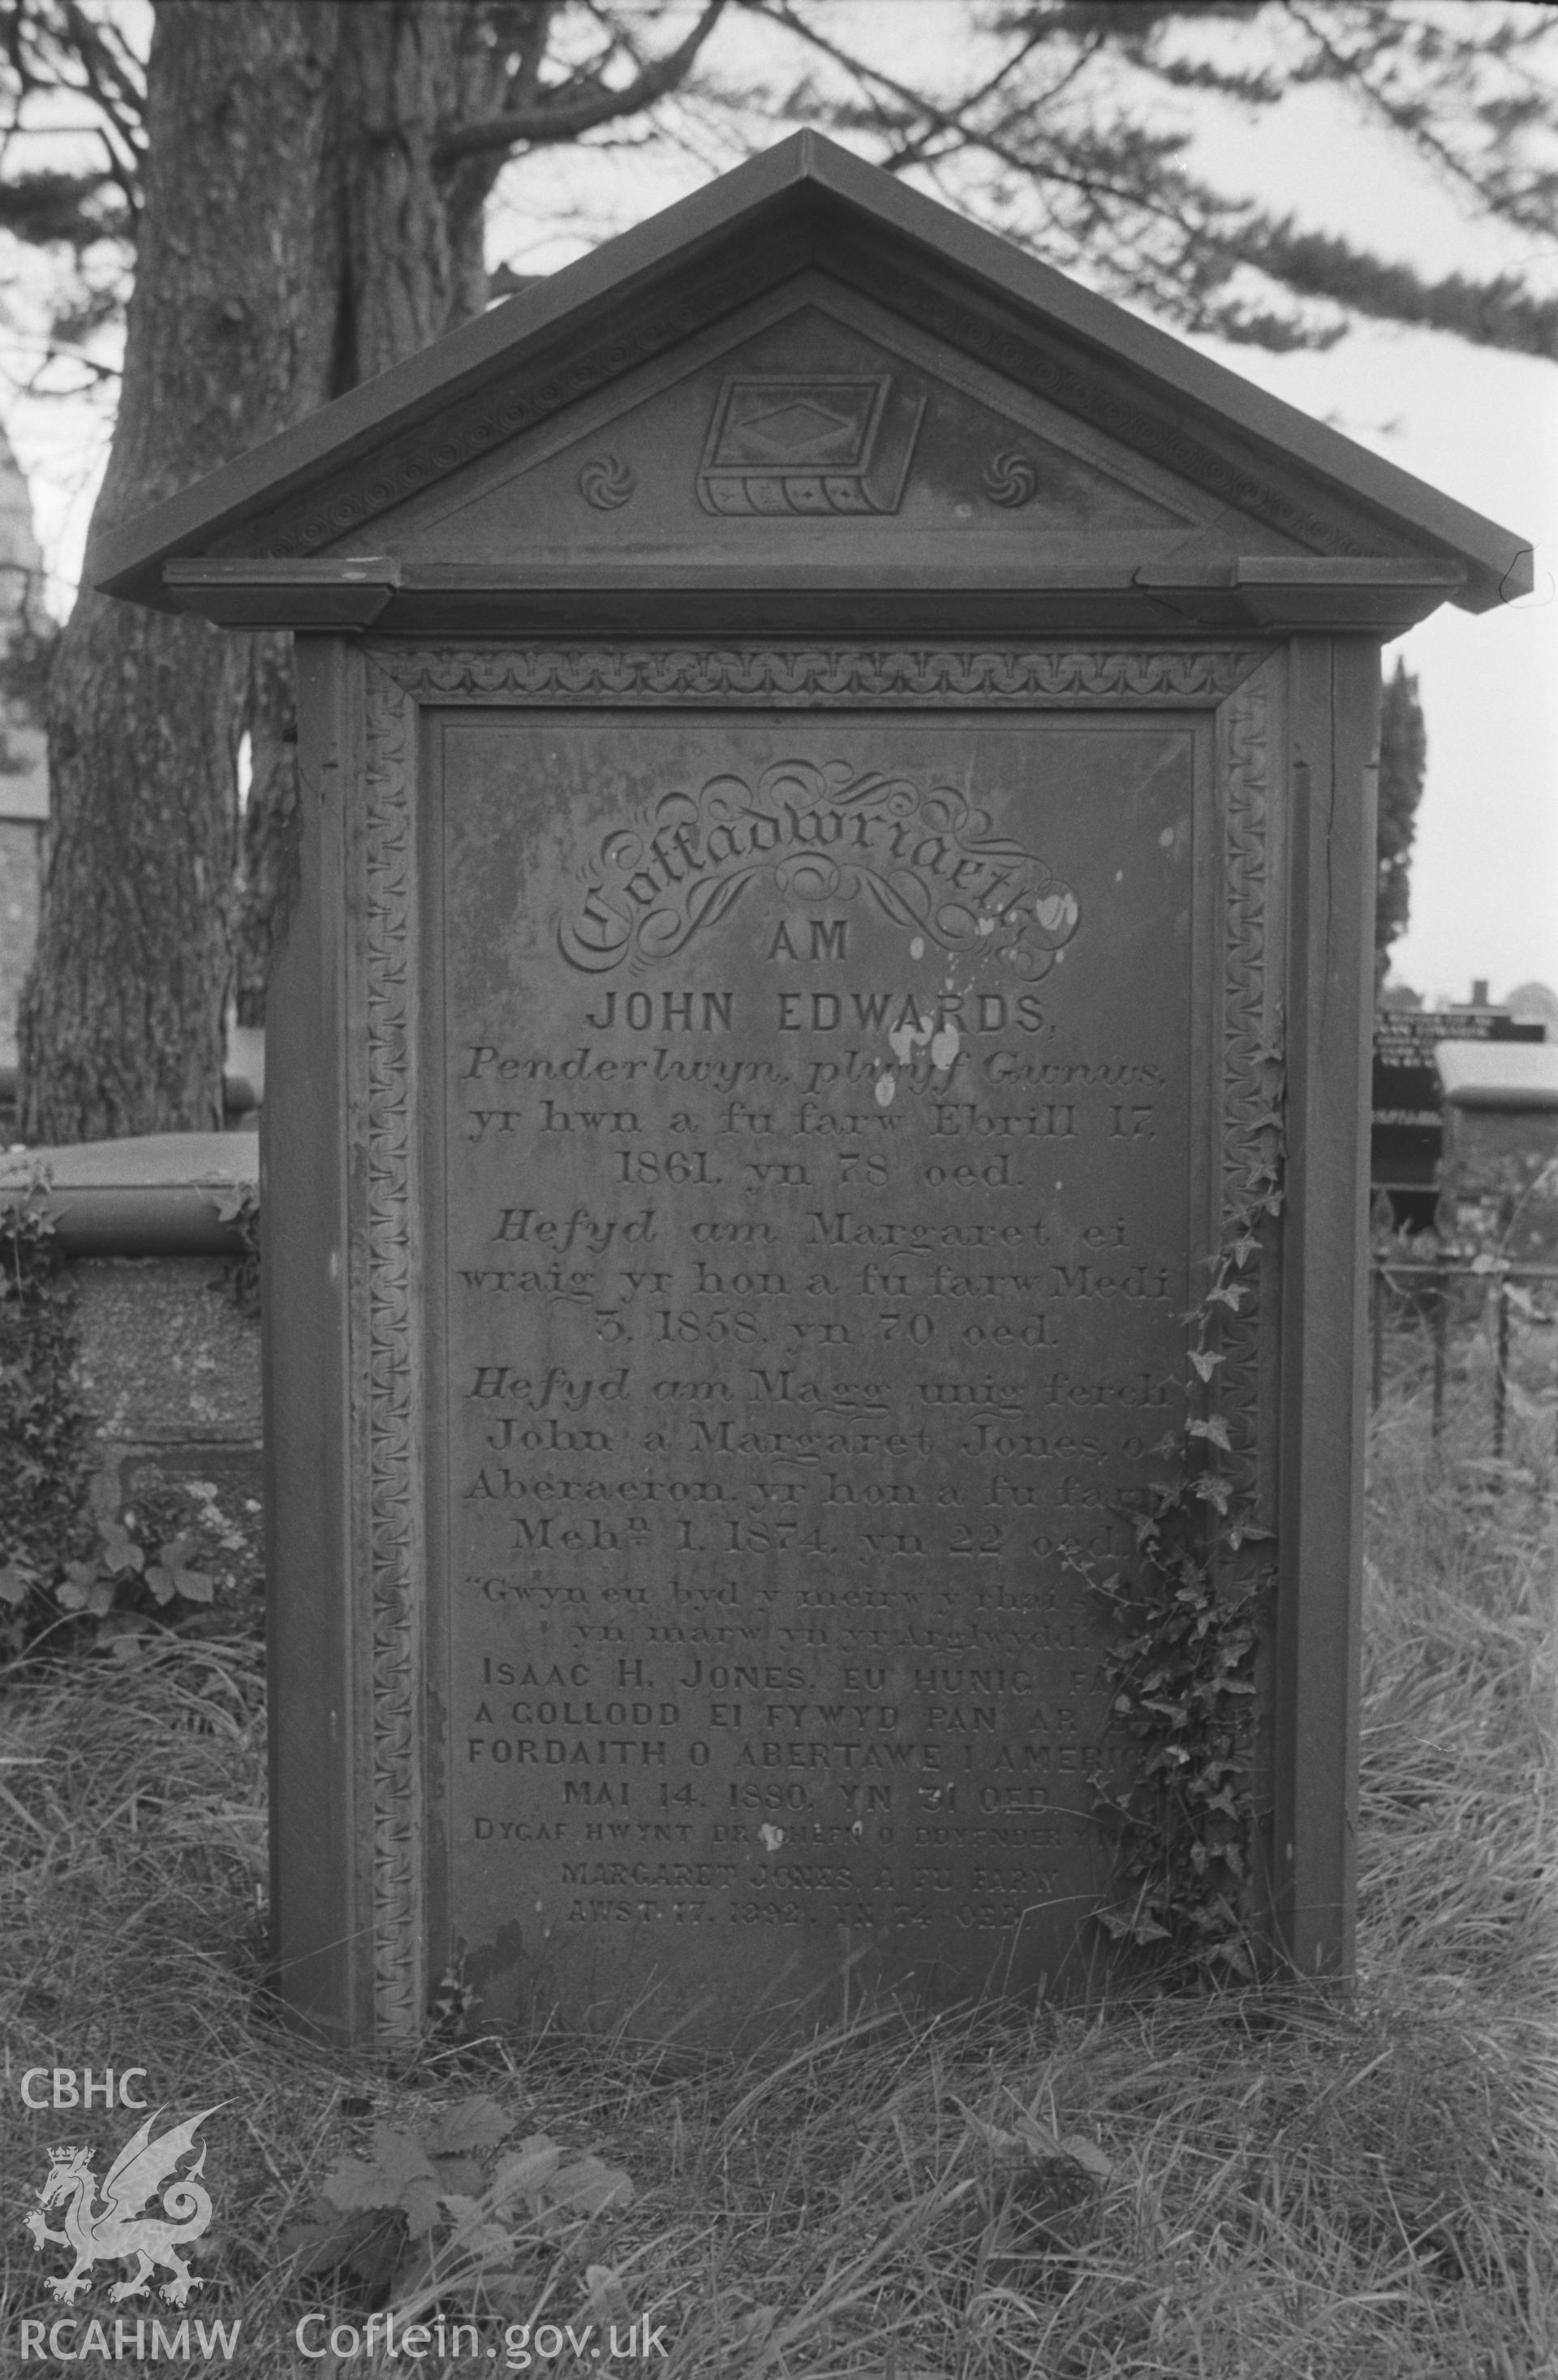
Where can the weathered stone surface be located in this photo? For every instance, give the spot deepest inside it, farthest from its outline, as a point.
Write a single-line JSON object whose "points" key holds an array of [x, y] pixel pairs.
{"points": [[837, 846], [157, 1160], [165, 1355], [816, 1181]]}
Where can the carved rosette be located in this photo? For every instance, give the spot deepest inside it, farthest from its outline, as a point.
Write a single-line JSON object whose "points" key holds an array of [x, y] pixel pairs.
{"points": [[1034, 361], [463, 431], [607, 483], [387, 1368], [1011, 479]]}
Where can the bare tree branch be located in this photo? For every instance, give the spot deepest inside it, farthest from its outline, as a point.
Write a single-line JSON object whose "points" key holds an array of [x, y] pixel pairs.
{"points": [[1356, 69], [553, 120]]}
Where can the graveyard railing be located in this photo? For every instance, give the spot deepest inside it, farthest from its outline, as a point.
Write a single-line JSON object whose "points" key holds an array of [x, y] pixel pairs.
{"points": [[1427, 1289]]}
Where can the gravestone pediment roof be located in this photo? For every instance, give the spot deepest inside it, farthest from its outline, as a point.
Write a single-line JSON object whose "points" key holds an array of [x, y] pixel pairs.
{"points": [[809, 384]]}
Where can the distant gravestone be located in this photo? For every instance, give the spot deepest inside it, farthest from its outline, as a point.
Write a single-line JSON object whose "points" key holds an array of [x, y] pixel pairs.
{"points": [[837, 840], [1407, 1120], [1501, 1145]]}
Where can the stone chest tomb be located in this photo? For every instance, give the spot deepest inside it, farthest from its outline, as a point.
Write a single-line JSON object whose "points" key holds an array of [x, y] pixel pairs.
{"points": [[837, 846]]}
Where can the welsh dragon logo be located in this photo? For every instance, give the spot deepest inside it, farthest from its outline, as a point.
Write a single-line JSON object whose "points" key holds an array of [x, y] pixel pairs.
{"points": [[100, 2233]]}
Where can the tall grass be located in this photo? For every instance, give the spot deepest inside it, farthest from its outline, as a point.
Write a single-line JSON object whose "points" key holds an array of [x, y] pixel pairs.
{"points": [[1264, 2184]]}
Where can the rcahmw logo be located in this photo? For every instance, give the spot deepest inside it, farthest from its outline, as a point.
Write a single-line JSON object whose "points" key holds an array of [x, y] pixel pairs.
{"points": [[110, 2224], [71, 2342]]}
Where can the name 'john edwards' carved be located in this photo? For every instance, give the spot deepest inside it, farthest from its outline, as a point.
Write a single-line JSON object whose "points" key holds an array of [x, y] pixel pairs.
{"points": [[929, 860]]}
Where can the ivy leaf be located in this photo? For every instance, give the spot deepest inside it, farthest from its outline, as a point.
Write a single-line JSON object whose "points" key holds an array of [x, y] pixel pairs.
{"points": [[119, 1552], [421, 2201], [1205, 1362], [477, 2123], [1089, 2155], [590, 2184], [608, 2300], [1212, 1488], [524, 2171], [398, 2169], [368, 2237], [1226, 1294], [1216, 1430], [17, 1582], [1133, 1925], [1235, 1955]]}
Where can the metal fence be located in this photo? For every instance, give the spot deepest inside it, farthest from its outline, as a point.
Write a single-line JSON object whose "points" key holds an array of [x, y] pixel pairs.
{"points": [[1505, 1302]]}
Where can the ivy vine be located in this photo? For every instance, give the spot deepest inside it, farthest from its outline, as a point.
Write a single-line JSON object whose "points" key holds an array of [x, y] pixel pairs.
{"points": [[1181, 1667], [42, 1429]]}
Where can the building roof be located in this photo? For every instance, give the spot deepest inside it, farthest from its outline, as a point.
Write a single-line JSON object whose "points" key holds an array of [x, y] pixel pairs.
{"points": [[1499, 1074]]}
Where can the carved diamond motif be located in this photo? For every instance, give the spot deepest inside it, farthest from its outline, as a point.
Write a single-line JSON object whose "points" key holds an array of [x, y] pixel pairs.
{"points": [[804, 432], [822, 444]]}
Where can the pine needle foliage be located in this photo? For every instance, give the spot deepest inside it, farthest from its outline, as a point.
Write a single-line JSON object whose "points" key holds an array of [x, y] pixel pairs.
{"points": [[1403, 766]]}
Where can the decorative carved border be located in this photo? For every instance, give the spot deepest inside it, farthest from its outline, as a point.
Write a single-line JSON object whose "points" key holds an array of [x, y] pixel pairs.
{"points": [[814, 674], [1252, 1058], [1041, 359], [388, 1368]]}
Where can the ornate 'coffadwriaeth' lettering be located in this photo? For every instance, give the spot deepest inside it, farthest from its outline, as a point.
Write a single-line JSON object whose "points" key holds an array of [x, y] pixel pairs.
{"points": [[927, 858]]}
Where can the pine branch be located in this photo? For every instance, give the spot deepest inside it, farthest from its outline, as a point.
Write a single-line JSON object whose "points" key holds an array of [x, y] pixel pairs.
{"points": [[1115, 200], [1498, 313], [50, 209], [1364, 70]]}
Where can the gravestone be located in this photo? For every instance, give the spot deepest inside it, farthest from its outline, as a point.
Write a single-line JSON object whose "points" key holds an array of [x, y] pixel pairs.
{"points": [[836, 842], [1407, 1120], [1501, 1145]]}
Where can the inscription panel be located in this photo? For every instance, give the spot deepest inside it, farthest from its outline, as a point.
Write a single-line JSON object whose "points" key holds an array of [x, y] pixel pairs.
{"points": [[816, 1161]]}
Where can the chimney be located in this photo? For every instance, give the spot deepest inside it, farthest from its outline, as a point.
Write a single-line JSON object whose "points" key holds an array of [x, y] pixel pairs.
{"points": [[1479, 991]]}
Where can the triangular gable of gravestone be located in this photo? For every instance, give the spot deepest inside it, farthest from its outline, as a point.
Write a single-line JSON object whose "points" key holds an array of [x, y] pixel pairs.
{"points": [[808, 377]]}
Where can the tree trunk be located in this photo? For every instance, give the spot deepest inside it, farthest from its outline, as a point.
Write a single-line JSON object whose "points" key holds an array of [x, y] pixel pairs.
{"points": [[410, 231], [227, 341], [298, 234], [268, 839], [408, 266]]}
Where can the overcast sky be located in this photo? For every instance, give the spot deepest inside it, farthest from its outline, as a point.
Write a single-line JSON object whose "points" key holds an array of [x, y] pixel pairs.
{"points": [[1481, 425]]}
